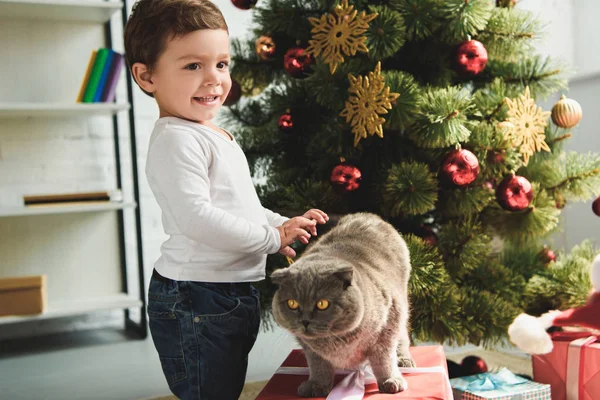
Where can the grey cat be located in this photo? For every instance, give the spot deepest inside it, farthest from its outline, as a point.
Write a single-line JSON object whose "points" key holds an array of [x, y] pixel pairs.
{"points": [[346, 302]]}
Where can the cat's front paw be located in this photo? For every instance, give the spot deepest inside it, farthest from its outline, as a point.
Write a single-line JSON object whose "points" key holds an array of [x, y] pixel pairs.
{"points": [[406, 362], [393, 385], [313, 389]]}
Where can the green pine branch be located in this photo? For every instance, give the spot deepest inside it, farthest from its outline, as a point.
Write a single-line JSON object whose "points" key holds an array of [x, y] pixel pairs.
{"points": [[510, 33], [441, 119], [386, 33], [411, 189], [464, 19]]}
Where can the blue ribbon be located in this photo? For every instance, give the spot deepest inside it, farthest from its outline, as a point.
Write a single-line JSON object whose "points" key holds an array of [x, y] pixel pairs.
{"points": [[488, 381]]}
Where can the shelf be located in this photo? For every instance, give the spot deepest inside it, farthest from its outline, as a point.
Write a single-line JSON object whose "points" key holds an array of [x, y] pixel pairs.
{"points": [[59, 109], [60, 10], [78, 307], [64, 208]]}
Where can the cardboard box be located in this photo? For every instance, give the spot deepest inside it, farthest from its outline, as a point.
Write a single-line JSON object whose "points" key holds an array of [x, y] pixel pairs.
{"points": [[421, 386], [572, 368], [23, 295]]}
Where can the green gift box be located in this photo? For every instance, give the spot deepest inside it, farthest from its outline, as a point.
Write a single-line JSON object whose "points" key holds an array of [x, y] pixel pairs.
{"points": [[501, 385]]}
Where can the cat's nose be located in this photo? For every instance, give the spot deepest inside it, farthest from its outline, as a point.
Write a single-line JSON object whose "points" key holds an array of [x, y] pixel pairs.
{"points": [[305, 323]]}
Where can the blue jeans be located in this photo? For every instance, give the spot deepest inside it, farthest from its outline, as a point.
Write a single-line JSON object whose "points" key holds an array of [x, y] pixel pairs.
{"points": [[203, 333]]}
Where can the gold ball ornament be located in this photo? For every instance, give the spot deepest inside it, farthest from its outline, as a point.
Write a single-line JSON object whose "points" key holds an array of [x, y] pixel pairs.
{"points": [[566, 113], [265, 47]]}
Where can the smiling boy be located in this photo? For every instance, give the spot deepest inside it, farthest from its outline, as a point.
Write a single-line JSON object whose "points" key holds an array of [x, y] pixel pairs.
{"points": [[204, 313]]}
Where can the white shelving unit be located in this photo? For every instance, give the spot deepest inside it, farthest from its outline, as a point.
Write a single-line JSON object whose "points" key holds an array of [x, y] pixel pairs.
{"points": [[60, 10], [69, 308], [59, 110], [66, 208], [88, 236]]}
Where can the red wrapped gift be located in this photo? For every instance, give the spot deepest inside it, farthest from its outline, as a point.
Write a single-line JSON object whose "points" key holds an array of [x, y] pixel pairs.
{"points": [[572, 368], [428, 381]]}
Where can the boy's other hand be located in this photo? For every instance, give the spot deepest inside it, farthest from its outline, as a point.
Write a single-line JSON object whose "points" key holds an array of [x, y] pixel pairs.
{"points": [[294, 229], [316, 215]]}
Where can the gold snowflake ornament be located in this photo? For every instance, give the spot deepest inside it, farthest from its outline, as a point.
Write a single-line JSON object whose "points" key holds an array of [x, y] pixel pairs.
{"points": [[369, 99], [528, 125], [337, 33]]}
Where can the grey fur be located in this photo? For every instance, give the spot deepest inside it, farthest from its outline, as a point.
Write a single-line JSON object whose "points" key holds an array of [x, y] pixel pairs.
{"points": [[362, 268]]}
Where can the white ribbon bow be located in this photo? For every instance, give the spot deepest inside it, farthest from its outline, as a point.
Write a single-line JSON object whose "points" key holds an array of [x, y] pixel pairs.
{"points": [[352, 387]]}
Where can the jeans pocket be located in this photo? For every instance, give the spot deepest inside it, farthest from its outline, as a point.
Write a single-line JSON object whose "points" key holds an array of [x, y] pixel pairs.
{"points": [[165, 329]]}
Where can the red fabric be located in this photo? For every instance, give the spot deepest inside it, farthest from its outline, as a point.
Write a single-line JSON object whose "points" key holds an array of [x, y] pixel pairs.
{"points": [[587, 316], [426, 386], [552, 368]]}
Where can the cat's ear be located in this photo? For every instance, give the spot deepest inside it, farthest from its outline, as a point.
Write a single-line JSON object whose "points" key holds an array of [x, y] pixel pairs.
{"points": [[345, 274], [280, 275]]}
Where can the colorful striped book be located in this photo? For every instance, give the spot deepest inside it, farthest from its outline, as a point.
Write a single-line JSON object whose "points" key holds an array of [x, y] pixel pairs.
{"points": [[108, 95], [86, 77], [101, 76], [95, 75]]}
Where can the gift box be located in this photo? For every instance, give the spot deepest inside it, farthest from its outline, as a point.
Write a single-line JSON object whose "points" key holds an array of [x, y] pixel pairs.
{"points": [[428, 381], [501, 385], [572, 368]]}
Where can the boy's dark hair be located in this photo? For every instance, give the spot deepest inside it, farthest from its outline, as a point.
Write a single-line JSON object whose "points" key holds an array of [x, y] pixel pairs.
{"points": [[153, 23]]}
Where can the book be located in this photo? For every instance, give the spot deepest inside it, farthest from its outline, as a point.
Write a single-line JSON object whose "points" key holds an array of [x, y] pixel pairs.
{"points": [[66, 198], [95, 75], [86, 76], [102, 81], [113, 78]]}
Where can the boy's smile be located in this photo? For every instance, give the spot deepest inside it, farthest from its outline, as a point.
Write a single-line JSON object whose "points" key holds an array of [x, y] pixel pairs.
{"points": [[191, 77]]}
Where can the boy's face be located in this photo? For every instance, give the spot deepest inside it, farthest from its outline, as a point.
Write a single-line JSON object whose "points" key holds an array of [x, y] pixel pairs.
{"points": [[191, 78]]}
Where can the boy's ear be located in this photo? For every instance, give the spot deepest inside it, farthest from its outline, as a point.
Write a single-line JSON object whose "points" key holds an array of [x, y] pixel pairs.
{"points": [[143, 77]]}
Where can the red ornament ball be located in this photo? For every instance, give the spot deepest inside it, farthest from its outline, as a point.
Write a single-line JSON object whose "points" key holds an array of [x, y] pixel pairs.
{"points": [[346, 177], [471, 58], [427, 234], [297, 62], [286, 122], [460, 167], [596, 206], [473, 365], [514, 193], [244, 4], [547, 255], [234, 94]]}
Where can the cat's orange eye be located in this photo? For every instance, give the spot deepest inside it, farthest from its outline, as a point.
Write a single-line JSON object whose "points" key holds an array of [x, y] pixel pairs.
{"points": [[322, 304], [292, 304]]}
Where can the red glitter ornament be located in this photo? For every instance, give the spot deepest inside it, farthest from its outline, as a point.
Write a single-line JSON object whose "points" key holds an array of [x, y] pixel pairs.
{"points": [[460, 167], [244, 4], [286, 122], [596, 206], [297, 62], [514, 193], [235, 93], [473, 365], [471, 58], [346, 177], [547, 255]]}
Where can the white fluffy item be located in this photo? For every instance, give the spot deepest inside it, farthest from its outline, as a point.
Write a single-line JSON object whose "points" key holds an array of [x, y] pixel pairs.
{"points": [[529, 333]]}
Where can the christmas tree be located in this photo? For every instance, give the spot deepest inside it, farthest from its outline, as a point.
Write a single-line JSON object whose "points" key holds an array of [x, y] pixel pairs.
{"points": [[424, 112]]}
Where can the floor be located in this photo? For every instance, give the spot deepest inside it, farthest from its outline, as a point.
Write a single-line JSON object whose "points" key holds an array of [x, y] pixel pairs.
{"points": [[105, 365]]}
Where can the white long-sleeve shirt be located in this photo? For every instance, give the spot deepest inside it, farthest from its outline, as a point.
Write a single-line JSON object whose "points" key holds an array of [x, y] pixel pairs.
{"points": [[218, 230]]}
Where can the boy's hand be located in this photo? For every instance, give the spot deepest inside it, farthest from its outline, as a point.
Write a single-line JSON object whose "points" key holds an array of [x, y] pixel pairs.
{"points": [[294, 229], [316, 215]]}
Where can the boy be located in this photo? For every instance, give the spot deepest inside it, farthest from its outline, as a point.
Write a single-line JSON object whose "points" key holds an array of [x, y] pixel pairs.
{"points": [[203, 311]]}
